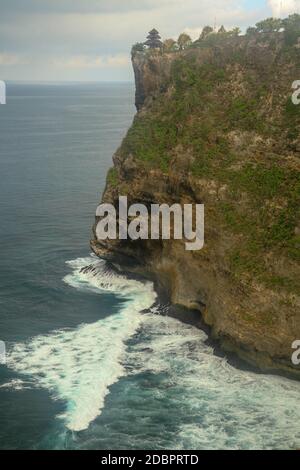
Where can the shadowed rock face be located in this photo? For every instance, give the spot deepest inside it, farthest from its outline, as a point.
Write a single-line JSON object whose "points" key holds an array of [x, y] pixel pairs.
{"points": [[152, 73], [216, 126]]}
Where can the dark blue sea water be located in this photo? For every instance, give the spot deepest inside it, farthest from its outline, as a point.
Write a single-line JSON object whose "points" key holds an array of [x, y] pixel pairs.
{"points": [[91, 362]]}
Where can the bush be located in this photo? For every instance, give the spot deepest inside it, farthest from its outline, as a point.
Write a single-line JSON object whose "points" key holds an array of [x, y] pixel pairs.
{"points": [[112, 177], [170, 45], [270, 25], [292, 28], [184, 41], [138, 47], [251, 31]]}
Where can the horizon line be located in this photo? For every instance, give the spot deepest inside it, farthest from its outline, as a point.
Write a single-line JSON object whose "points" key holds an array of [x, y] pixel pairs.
{"points": [[67, 82]]}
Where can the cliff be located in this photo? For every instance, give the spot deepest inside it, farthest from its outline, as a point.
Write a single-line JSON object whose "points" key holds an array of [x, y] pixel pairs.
{"points": [[216, 125]]}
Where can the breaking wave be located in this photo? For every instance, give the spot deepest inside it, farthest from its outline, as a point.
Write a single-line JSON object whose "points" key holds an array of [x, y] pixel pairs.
{"points": [[189, 398], [218, 405], [79, 366]]}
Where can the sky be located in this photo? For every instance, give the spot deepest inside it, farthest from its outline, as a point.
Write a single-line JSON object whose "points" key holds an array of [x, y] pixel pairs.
{"points": [[90, 40]]}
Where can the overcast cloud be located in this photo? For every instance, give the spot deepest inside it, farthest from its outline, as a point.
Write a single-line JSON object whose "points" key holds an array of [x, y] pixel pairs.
{"points": [[91, 39]]}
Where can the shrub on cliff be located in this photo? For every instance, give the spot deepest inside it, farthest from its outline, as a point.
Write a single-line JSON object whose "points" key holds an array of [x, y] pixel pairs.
{"points": [[170, 45], [292, 28], [251, 31], [270, 25], [222, 30], [207, 30], [184, 41], [138, 47], [234, 32]]}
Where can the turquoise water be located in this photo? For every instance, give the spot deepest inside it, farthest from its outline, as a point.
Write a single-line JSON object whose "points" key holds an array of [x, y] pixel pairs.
{"points": [[93, 360]]}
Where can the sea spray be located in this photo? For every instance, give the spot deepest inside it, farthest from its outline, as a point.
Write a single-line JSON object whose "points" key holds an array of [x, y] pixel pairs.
{"points": [[79, 366], [212, 404], [170, 389]]}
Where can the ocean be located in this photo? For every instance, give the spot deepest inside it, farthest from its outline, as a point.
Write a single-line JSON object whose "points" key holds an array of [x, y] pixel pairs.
{"points": [[94, 361]]}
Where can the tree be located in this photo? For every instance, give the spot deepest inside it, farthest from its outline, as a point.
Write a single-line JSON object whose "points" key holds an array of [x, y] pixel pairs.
{"points": [[291, 27], [234, 32], [154, 40], [184, 41], [292, 22], [170, 45], [207, 30], [222, 30], [138, 47], [251, 31], [270, 25]]}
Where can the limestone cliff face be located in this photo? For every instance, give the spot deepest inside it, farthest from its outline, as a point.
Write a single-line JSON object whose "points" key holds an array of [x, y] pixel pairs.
{"points": [[152, 74], [216, 126]]}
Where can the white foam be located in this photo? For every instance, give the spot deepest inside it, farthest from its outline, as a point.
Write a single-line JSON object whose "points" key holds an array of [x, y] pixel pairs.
{"points": [[223, 407], [79, 366], [101, 278], [229, 408], [16, 384]]}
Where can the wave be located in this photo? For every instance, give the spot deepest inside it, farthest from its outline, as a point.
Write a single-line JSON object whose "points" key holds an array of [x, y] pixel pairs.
{"points": [[213, 404], [80, 366], [16, 385], [189, 398]]}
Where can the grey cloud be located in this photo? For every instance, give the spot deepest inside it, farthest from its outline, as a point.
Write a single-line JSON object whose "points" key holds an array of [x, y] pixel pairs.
{"points": [[46, 33], [17, 7]]}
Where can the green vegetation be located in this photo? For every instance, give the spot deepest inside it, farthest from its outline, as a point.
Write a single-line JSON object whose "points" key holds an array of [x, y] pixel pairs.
{"points": [[152, 138], [210, 37], [112, 177], [170, 45], [207, 30], [243, 112], [264, 224], [269, 25], [291, 121], [184, 41], [207, 103], [138, 47], [290, 26], [251, 31], [260, 181], [151, 141]]}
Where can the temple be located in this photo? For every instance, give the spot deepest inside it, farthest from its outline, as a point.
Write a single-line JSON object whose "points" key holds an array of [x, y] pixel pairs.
{"points": [[153, 40]]}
